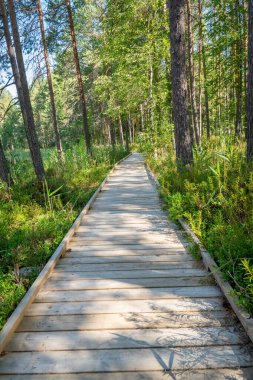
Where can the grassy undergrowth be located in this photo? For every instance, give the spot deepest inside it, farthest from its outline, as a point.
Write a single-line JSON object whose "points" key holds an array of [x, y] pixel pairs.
{"points": [[215, 196], [35, 218]]}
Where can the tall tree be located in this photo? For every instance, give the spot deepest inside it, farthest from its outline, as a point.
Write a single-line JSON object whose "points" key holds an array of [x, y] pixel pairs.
{"points": [[121, 135], [203, 52], [31, 131], [238, 67], [250, 85], [192, 73], [5, 174], [50, 84], [19, 73], [179, 83], [79, 78]]}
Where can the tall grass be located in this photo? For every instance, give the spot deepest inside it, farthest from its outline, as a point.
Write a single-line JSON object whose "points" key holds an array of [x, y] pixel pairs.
{"points": [[34, 218], [215, 196]]}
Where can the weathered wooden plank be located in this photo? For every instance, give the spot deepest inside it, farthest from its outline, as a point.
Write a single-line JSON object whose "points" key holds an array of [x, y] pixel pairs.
{"points": [[206, 374], [124, 231], [148, 359], [127, 207], [119, 339], [51, 284], [137, 238], [112, 201], [128, 306], [72, 259], [124, 223], [128, 227], [127, 294], [149, 239], [121, 252], [129, 197], [151, 273], [135, 244], [162, 215], [140, 320], [128, 266], [129, 250]]}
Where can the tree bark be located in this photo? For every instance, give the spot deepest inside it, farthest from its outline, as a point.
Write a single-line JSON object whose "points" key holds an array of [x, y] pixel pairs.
{"points": [[121, 135], [50, 84], [142, 118], [5, 174], [19, 74], [79, 79], [238, 71], [192, 74], [199, 91], [112, 133], [129, 123], [32, 137], [13, 61], [179, 83], [250, 85], [245, 60], [203, 51]]}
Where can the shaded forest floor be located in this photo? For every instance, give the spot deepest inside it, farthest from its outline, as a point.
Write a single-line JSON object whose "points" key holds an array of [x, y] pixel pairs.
{"points": [[215, 196], [35, 218]]}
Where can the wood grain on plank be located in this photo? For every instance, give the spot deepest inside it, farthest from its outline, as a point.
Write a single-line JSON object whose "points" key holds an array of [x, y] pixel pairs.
{"points": [[127, 294], [129, 283], [71, 258], [139, 320], [113, 339], [148, 273], [245, 373], [109, 266], [127, 306], [149, 359]]}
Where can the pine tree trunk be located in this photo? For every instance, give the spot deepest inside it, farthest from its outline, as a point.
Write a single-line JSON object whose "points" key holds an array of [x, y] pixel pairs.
{"points": [[108, 133], [245, 60], [112, 133], [79, 79], [13, 61], [5, 174], [179, 83], [203, 52], [192, 74], [238, 71], [121, 135], [50, 84], [199, 91], [33, 141], [250, 85], [142, 118], [129, 123]]}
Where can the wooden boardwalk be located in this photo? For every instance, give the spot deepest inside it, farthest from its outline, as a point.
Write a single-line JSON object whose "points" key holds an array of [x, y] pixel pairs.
{"points": [[127, 302]]}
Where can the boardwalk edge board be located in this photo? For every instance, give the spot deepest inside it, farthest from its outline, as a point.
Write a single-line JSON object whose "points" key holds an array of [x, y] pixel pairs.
{"points": [[19, 312], [211, 265]]}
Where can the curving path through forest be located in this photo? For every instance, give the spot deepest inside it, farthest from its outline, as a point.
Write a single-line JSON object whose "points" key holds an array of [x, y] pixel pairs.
{"points": [[127, 302]]}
